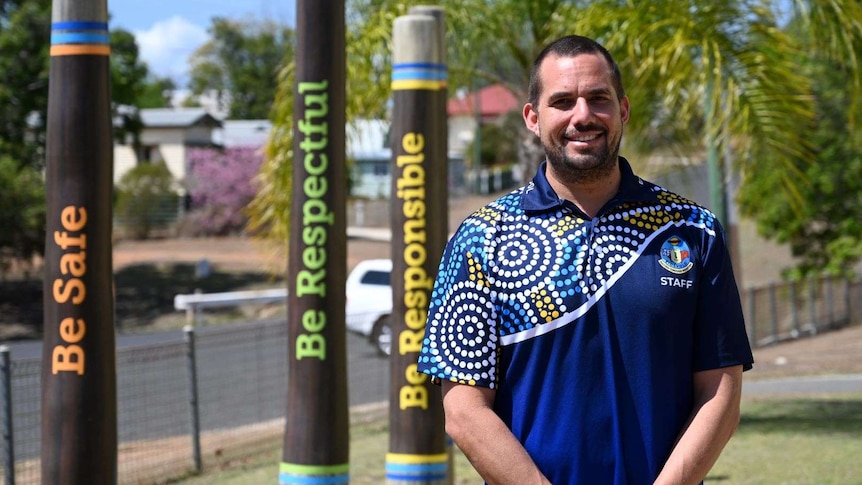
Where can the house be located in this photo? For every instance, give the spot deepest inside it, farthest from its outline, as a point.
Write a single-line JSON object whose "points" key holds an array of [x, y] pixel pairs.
{"points": [[489, 105], [167, 135]]}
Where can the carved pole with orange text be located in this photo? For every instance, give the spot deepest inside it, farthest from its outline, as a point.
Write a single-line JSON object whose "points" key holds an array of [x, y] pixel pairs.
{"points": [[417, 445], [316, 437], [79, 411]]}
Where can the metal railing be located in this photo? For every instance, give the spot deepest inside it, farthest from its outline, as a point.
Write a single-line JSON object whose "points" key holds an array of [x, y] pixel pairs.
{"points": [[219, 395]]}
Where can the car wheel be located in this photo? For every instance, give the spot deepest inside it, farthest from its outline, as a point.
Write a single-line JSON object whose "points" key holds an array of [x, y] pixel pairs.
{"points": [[381, 335]]}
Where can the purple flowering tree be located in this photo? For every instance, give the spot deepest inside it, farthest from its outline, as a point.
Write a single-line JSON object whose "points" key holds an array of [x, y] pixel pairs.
{"points": [[221, 184]]}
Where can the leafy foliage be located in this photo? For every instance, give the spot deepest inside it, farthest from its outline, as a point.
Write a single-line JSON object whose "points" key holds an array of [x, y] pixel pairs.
{"points": [[132, 88], [22, 221], [25, 27], [241, 63], [146, 199], [696, 71], [826, 235], [221, 185]]}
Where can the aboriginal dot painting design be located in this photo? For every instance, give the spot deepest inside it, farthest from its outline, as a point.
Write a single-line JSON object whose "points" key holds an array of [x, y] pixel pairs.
{"points": [[508, 277]]}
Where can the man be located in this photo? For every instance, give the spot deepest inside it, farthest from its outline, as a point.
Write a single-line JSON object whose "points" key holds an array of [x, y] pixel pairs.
{"points": [[587, 328]]}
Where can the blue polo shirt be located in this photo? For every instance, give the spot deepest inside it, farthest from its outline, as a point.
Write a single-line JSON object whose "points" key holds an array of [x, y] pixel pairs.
{"points": [[588, 329]]}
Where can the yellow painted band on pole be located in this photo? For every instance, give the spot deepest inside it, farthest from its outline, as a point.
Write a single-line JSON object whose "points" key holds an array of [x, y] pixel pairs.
{"points": [[411, 459], [80, 50], [404, 85]]}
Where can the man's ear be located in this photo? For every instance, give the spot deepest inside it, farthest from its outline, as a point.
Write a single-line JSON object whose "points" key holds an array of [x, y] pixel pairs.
{"points": [[625, 109], [531, 119]]}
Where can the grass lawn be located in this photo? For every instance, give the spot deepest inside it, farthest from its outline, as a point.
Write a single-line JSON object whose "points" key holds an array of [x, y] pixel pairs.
{"points": [[810, 440], [805, 440]]}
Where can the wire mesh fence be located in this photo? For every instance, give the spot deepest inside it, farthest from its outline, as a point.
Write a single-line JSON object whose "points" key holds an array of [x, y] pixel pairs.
{"points": [[790, 310], [218, 396]]}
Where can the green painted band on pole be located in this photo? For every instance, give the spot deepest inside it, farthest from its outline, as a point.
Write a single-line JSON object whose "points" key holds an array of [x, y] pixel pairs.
{"points": [[314, 469], [317, 421]]}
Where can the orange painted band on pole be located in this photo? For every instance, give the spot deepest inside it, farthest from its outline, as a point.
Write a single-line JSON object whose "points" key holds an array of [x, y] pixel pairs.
{"points": [[80, 50]]}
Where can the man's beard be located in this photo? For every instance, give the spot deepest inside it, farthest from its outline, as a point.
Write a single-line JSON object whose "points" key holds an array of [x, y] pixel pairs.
{"points": [[586, 168]]}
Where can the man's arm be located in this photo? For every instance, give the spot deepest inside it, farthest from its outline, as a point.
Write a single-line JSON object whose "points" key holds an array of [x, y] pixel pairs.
{"points": [[713, 420], [484, 439]]}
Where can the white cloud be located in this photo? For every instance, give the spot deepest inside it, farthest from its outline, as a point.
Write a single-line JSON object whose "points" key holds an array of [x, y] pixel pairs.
{"points": [[167, 45]]}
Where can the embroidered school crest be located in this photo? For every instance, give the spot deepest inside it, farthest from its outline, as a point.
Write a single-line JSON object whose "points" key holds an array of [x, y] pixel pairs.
{"points": [[675, 256]]}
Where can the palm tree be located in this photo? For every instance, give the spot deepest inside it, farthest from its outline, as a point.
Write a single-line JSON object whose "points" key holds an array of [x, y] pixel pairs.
{"points": [[708, 75]]}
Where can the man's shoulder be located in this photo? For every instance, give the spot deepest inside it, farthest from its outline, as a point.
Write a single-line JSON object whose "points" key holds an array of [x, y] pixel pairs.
{"points": [[655, 197], [505, 205], [482, 222]]}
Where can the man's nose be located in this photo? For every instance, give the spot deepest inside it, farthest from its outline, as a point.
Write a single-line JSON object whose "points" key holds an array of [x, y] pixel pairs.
{"points": [[582, 111]]}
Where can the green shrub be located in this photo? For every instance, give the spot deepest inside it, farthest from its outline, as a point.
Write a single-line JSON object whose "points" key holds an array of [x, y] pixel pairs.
{"points": [[146, 200]]}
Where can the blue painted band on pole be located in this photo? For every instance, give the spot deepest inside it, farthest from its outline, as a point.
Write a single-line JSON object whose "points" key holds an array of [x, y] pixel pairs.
{"points": [[80, 38], [419, 76], [80, 26], [414, 469], [291, 479]]}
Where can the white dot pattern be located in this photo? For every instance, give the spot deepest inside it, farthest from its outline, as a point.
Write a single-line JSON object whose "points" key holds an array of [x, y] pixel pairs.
{"points": [[506, 271]]}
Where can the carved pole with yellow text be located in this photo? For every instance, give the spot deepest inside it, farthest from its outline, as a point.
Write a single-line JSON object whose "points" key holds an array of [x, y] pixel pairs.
{"points": [[79, 411], [316, 437], [417, 444]]}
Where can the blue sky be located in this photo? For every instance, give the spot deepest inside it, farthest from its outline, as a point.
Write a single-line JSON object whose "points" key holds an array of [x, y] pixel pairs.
{"points": [[168, 31]]}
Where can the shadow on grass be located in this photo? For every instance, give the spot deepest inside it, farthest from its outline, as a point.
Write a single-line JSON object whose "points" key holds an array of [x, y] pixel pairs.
{"points": [[809, 416], [146, 291]]}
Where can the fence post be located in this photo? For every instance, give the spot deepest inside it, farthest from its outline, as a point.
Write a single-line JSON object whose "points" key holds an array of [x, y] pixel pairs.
{"points": [[773, 313], [794, 310], [6, 398], [193, 397], [752, 325], [812, 303], [847, 301], [830, 311]]}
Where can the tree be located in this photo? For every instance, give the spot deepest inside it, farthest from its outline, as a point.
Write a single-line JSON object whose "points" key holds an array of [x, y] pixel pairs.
{"points": [[700, 73], [241, 64], [133, 87], [825, 235], [23, 218], [221, 185], [25, 28]]}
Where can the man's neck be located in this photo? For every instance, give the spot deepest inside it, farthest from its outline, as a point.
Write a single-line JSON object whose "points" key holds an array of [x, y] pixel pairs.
{"points": [[589, 197]]}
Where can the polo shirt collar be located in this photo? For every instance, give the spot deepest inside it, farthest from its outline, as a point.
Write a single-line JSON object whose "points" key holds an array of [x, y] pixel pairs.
{"points": [[540, 197]]}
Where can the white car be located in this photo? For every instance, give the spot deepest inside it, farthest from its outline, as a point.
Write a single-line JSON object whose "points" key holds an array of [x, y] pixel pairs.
{"points": [[369, 302]]}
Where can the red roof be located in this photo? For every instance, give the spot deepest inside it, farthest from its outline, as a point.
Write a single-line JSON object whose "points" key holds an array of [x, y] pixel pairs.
{"points": [[494, 101]]}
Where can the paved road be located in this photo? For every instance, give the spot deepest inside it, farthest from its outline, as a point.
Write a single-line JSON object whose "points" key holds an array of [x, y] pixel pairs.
{"points": [[241, 380], [824, 384]]}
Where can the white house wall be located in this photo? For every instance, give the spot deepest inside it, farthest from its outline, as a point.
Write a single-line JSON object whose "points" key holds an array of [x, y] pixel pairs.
{"points": [[175, 158], [199, 135], [124, 160], [162, 136]]}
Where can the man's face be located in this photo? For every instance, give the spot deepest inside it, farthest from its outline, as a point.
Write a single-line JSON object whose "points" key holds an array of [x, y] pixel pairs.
{"points": [[578, 117]]}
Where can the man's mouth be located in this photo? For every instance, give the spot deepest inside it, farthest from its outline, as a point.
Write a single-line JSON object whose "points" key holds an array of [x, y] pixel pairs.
{"points": [[583, 138]]}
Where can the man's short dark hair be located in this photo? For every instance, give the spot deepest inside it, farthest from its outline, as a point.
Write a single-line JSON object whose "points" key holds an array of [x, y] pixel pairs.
{"points": [[571, 46]]}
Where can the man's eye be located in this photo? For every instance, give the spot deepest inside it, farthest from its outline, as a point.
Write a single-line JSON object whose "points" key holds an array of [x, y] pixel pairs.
{"points": [[563, 103]]}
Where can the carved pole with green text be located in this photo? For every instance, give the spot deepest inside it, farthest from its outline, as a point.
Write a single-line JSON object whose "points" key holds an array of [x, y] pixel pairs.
{"points": [[417, 444], [316, 437], [79, 412]]}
